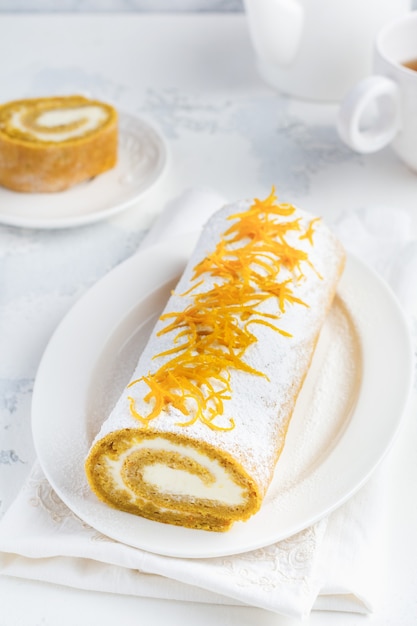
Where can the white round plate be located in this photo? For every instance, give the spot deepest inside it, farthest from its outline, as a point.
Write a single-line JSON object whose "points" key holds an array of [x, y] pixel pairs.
{"points": [[142, 158], [346, 418]]}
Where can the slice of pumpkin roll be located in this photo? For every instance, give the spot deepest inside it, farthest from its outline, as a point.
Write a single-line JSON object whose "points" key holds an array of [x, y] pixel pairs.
{"points": [[195, 437], [50, 144]]}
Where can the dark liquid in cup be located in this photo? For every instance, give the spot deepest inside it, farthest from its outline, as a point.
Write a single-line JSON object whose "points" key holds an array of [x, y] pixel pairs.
{"points": [[412, 64]]}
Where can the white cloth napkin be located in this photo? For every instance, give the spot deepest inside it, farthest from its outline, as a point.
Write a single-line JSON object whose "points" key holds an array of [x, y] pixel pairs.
{"points": [[334, 564]]}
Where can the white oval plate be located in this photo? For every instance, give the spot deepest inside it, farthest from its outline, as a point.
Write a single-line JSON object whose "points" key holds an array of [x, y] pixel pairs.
{"points": [[346, 419], [142, 159]]}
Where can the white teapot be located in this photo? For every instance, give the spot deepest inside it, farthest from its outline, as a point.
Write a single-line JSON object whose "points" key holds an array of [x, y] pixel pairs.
{"points": [[317, 49]]}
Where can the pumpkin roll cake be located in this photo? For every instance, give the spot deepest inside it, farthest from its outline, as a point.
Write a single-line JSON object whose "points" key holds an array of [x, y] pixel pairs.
{"points": [[196, 434], [50, 144]]}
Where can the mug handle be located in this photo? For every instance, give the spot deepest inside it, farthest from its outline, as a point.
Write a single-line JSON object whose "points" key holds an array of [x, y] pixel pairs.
{"points": [[374, 90]]}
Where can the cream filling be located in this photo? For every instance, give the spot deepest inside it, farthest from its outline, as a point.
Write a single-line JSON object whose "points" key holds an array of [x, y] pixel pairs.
{"points": [[179, 482], [90, 118]]}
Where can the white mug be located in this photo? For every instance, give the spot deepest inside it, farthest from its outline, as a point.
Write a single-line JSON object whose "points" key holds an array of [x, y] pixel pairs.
{"points": [[392, 94], [317, 49]]}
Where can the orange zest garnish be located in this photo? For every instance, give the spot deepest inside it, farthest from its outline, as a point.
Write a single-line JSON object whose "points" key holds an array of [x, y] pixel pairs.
{"points": [[310, 230], [214, 331]]}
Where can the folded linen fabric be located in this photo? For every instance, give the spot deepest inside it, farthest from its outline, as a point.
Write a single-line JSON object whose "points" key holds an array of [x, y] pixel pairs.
{"points": [[41, 539], [334, 564]]}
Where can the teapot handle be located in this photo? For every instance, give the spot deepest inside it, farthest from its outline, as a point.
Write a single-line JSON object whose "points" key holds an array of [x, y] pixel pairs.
{"points": [[276, 28]]}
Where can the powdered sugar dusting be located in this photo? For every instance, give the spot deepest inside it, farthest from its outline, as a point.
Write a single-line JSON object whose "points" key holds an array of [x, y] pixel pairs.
{"points": [[258, 405]]}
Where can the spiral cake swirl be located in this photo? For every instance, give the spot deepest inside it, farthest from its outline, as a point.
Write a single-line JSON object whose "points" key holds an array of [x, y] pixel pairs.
{"points": [[50, 144]]}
